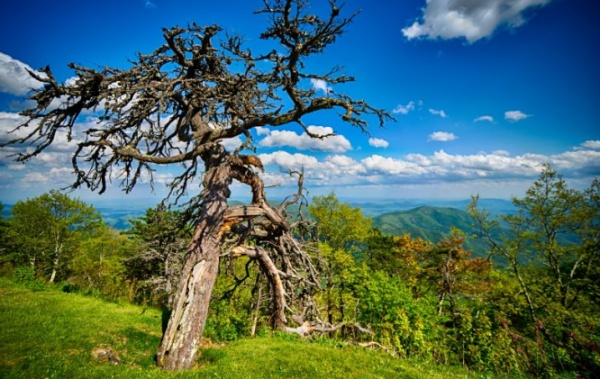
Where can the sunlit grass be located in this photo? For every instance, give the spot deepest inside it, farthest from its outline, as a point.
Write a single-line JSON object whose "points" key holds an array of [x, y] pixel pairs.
{"points": [[50, 334]]}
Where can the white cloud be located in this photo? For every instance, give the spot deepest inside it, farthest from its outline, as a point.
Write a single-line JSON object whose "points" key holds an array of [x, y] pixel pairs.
{"points": [[232, 143], [469, 19], [17, 166], [262, 131], [592, 145], [442, 136], [321, 85], [484, 118], [404, 109], [333, 143], [436, 112], [386, 165], [35, 178], [378, 142], [288, 161], [515, 115], [8, 122], [14, 78]]}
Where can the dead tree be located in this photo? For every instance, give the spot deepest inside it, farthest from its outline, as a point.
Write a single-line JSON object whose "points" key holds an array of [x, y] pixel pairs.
{"points": [[173, 107]]}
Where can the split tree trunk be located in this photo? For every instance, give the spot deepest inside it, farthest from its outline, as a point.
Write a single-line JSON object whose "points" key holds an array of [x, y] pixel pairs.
{"points": [[182, 337]]}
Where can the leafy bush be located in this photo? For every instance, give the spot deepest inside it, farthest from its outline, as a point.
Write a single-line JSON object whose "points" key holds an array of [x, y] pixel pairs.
{"points": [[396, 318]]}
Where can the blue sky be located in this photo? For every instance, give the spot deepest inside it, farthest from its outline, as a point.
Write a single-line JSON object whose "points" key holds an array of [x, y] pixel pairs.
{"points": [[483, 92]]}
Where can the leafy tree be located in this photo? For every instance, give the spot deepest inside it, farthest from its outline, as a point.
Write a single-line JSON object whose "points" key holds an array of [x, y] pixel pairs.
{"points": [[161, 237], [342, 230], [173, 107], [553, 255], [340, 225], [44, 232], [97, 265], [400, 257]]}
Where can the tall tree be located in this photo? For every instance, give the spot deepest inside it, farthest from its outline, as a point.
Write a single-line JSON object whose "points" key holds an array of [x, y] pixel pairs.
{"points": [[43, 231], [342, 230], [174, 106]]}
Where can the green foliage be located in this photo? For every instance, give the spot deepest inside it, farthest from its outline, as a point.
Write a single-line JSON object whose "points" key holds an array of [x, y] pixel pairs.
{"points": [[552, 256], [98, 264], [3, 234], [538, 313], [45, 232], [24, 274], [397, 319], [343, 231], [341, 226], [158, 242]]}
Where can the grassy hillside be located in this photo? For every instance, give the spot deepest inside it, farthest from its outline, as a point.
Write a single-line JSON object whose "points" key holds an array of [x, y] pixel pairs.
{"points": [[50, 334], [432, 224]]}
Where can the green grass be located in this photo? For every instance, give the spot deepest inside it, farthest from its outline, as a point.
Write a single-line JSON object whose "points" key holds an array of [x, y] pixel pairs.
{"points": [[50, 334]]}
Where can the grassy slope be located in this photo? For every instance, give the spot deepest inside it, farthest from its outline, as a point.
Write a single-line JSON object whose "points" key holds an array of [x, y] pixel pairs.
{"points": [[50, 334]]}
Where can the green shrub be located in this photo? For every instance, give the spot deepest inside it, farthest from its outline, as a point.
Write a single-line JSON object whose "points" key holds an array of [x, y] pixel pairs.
{"points": [[24, 274]]}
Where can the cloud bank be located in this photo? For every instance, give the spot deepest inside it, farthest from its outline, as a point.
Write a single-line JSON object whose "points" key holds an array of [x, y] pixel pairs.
{"points": [[439, 167]]}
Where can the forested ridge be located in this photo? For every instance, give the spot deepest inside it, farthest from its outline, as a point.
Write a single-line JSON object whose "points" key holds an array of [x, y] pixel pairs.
{"points": [[529, 306]]}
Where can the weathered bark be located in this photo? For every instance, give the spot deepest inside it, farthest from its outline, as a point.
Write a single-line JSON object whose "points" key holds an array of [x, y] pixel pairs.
{"points": [[270, 270], [182, 337]]}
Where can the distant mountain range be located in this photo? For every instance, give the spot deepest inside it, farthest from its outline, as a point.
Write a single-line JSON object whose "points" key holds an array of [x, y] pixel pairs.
{"points": [[429, 219]]}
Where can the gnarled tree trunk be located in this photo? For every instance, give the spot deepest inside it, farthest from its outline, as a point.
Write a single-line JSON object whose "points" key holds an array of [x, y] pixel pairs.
{"points": [[181, 339]]}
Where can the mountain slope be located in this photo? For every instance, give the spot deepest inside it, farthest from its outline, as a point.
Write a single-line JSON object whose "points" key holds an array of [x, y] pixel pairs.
{"points": [[432, 224]]}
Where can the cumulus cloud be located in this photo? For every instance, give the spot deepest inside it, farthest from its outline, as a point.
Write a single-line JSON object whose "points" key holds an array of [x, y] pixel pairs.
{"points": [[321, 85], [287, 161], [592, 144], [404, 109], [387, 165], [332, 143], [436, 112], [484, 118], [442, 136], [14, 78], [515, 115], [378, 142], [469, 19]]}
